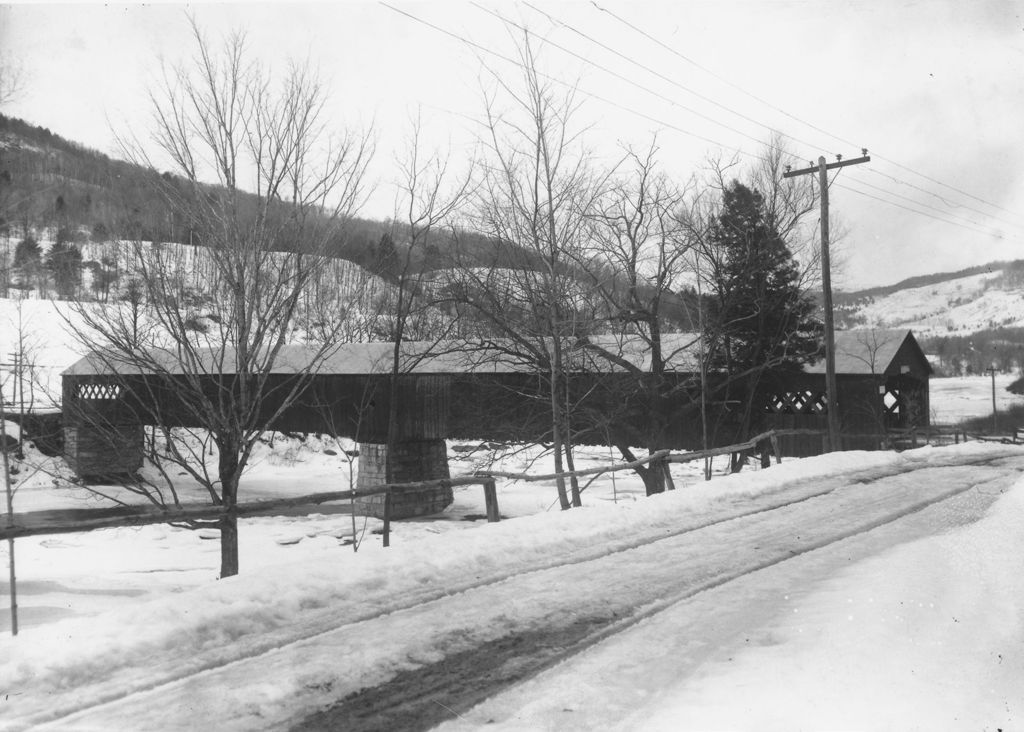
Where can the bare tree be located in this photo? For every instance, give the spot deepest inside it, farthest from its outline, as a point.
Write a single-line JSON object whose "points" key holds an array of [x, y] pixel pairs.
{"points": [[12, 79], [263, 187], [537, 191], [427, 201], [637, 262]]}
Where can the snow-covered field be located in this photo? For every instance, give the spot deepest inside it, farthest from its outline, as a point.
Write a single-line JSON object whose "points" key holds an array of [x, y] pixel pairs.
{"points": [[901, 634], [966, 304], [957, 398]]}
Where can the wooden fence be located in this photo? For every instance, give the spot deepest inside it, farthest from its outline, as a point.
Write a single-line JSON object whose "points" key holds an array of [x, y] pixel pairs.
{"points": [[71, 521]]}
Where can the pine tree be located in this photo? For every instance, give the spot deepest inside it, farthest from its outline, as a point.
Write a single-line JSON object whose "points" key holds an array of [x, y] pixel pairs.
{"points": [[64, 261], [27, 253], [762, 318], [386, 260]]}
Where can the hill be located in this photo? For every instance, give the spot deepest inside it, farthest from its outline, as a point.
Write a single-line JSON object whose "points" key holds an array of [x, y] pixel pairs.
{"points": [[49, 183], [970, 319]]}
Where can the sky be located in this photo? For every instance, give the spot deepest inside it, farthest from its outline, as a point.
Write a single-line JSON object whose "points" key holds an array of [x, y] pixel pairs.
{"points": [[932, 89]]}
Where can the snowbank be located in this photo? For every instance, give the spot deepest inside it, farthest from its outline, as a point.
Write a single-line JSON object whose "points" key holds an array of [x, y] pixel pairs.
{"points": [[242, 615], [927, 636]]}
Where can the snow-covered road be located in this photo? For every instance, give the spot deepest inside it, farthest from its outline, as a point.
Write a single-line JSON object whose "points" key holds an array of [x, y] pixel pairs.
{"points": [[649, 605]]}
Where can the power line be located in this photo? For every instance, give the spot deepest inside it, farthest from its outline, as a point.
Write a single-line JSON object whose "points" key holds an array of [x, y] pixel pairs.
{"points": [[925, 205], [921, 213], [556, 80], [632, 82], [722, 79], [658, 74], [950, 204], [703, 68], [656, 120]]}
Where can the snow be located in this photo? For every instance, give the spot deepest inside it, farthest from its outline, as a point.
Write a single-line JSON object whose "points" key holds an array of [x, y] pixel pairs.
{"points": [[284, 609], [46, 343], [915, 626], [926, 636], [922, 636], [966, 304], [957, 398]]}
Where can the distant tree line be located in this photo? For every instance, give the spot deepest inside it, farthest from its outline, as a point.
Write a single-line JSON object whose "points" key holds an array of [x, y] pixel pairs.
{"points": [[966, 355]]}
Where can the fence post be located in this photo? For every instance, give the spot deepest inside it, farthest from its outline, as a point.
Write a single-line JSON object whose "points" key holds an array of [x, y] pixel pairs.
{"points": [[491, 501], [774, 439], [387, 516]]}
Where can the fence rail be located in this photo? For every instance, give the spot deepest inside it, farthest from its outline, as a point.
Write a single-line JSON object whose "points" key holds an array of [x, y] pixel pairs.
{"points": [[38, 523]]}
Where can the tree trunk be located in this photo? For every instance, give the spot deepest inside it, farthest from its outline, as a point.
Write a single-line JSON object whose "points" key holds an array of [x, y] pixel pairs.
{"points": [[229, 545], [228, 469], [574, 482], [557, 436], [653, 477]]}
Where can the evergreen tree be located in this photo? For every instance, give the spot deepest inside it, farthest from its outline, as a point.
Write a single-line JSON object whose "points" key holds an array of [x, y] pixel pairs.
{"points": [[64, 261], [762, 319], [28, 258], [387, 263], [27, 253], [100, 233]]}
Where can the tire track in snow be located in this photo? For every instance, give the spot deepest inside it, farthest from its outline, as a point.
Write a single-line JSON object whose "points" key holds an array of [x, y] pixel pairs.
{"points": [[410, 701], [178, 673]]}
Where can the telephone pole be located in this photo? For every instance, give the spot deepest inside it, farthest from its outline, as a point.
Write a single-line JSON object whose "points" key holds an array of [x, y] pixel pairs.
{"points": [[822, 169]]}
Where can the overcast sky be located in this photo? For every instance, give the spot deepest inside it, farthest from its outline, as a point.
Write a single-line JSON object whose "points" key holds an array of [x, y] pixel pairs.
{"points": [[934, 90]]}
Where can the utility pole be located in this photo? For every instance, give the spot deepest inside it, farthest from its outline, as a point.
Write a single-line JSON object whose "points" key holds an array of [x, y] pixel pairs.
{"points": [[5, 466], [992, 370], [822, 169]]}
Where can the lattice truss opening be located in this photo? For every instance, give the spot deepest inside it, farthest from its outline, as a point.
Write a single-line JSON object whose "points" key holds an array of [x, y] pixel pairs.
{"points": [[797, 402], [891, 400], [98, 390]]}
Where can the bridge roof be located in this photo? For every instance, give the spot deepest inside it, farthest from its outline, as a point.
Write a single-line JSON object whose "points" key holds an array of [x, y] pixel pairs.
{"points": [[418, 357], [872, 351], [857, 352]]}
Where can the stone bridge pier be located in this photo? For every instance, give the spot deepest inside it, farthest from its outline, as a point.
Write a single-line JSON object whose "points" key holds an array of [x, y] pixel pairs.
{"points": [[411, 461]]}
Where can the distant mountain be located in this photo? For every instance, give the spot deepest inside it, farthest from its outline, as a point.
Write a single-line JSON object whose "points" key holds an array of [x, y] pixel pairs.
{"points": [[48, 182], [969, 319]]}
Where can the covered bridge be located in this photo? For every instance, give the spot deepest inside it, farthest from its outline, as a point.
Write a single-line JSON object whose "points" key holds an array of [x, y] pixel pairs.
{"points": [[881, 384], [483, 393]]}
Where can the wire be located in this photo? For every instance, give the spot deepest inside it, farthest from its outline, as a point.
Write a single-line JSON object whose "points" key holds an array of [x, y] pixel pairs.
{"points": [[703, 68], [922, 213], [632, 82], [950, 204], [722, 79], [658, 74], [561, 23], [662, 123], [919, 203], [556, 80]]}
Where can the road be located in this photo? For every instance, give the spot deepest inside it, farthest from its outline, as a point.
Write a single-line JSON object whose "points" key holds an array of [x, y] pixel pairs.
{"points": [[480, 640]]}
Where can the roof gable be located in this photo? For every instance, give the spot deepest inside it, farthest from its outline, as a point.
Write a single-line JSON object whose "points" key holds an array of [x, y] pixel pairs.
{"points": [[875, 351]]}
